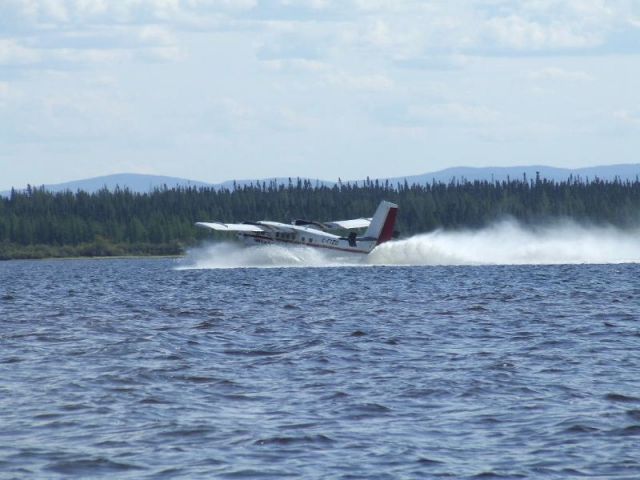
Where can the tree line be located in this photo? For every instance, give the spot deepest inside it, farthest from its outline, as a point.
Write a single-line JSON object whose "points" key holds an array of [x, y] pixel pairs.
{"points": [[37, 223]]}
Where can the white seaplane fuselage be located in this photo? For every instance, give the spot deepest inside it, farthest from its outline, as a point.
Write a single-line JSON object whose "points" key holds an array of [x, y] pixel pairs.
{"points": [[309, 236], [379, 229]]}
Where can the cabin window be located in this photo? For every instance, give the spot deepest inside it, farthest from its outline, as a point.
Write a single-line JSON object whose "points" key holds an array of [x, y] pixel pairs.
{"points": [[303, 239], [311, 240]]}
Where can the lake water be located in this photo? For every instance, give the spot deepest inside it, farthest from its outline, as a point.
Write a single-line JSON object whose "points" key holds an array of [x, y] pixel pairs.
{"points": [[162, 368]]}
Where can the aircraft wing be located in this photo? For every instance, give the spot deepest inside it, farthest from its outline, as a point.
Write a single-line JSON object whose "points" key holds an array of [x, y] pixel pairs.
{"points": [[349, 224], [231, 227], [276, 226]]}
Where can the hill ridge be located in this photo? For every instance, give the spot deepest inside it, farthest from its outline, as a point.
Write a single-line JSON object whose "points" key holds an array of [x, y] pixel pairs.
{"points": [[142, 183]]}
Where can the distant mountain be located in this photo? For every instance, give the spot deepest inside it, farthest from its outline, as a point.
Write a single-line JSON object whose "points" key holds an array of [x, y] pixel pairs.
{"points": [[603, 172], [278, 180], [145, 183], [142, 183], [136, 182]]}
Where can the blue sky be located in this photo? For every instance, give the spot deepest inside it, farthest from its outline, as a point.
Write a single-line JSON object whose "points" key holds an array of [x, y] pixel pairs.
{"points": [[221, 89]]}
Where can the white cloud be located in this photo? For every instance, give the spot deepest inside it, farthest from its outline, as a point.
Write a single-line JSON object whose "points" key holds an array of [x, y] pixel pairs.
{"points": [[43, 12], [454, 112], [326, 74], [6, 93], [156, 35], [393, 38], [47, 47], [313, 4], [64, 118], [592, 11], [379, 34], [407, 31], [288, 74], [555, 73], [372, 83], [92, 8], [442, 115], [519, 33], [233, 108], [12, 53], [224, 115], [627, 117], [297, 65], [290, 119], [70, 56], [161, 54]]}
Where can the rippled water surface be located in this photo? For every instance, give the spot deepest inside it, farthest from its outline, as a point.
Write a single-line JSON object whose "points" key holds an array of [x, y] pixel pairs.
{"points": [[139, 369]]}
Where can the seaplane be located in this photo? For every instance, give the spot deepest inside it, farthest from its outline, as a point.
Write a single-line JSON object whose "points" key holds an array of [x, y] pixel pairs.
{"points": [[379, 229]]}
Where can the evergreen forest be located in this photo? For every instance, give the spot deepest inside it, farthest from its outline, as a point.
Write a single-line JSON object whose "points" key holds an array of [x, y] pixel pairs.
{"points": [[35, 223]]}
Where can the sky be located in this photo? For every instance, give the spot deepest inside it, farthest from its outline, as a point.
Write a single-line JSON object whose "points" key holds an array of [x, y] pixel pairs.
{"points": [[214, 90]]}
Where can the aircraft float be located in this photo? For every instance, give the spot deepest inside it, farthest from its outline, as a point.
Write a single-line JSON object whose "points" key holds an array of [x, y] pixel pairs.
{"points": [[317, 234]]}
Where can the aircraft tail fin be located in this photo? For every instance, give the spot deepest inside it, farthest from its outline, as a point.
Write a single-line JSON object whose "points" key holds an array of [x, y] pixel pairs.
{"points": [[383, 221]]}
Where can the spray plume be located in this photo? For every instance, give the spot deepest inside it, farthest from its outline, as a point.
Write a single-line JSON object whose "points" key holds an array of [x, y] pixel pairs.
{"points": [[504, 243]]}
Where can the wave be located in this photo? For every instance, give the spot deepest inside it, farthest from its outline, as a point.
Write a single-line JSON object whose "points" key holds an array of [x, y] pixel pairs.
{"points": [[503, 243]]}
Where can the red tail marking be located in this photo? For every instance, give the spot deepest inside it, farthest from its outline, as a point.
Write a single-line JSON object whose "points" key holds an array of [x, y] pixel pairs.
{"points": [[387, 229]]}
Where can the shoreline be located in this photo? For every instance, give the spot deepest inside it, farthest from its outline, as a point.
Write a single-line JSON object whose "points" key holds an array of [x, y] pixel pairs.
{"points": [[99, 257], [100, 248]]}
